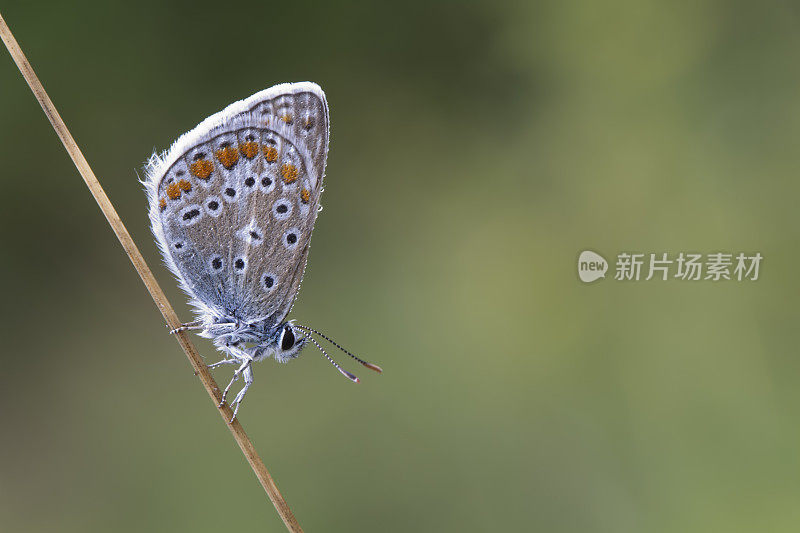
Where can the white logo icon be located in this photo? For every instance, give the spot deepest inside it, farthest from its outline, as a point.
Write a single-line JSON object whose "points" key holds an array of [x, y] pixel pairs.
{"points": [[591, 266]]}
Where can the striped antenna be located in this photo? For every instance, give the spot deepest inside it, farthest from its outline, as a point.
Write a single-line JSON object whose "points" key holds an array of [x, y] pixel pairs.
{"points": [[371, 366], [344, 372]]}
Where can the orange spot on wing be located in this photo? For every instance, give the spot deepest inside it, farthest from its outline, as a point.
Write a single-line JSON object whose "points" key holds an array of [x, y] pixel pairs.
{"points": [[289, 173], [162, 204], [173, 191], [287, 118], [270, 154], [249, 149], [228, 156], [305, 195], [184, 185], [202, 168]]}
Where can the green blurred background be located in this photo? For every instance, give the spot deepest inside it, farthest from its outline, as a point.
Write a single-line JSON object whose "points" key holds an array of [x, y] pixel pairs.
{"points": [[476, 149]]}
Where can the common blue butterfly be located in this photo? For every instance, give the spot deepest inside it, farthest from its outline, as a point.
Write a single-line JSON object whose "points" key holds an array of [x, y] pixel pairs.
{"points": [[233, 203]]}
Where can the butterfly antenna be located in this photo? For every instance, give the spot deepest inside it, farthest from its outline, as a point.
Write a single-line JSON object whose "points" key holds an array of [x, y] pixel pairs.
{"points": [[371, 366], [344, 372]]}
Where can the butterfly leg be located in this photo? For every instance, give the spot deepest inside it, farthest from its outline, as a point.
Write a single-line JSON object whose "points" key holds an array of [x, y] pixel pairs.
{"points": [[248, 380], [223, 362], [236, 375], [197, 324]]}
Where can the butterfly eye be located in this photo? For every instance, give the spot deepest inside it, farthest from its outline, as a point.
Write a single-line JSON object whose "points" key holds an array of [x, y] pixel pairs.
{"points": [[287, 339]]}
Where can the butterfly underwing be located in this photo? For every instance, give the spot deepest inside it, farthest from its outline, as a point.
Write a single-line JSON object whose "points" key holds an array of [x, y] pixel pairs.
{"points": [[232, 205]]}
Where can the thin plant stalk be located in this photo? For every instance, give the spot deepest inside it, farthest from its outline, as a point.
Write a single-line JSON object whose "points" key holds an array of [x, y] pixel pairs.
{"points": [[200, 368]]}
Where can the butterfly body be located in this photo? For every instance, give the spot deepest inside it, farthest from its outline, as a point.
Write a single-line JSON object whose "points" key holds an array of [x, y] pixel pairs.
{"points": [[232, 205]]}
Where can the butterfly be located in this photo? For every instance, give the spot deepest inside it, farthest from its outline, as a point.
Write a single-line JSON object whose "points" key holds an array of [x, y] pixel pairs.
{"points": [[232, 204]]}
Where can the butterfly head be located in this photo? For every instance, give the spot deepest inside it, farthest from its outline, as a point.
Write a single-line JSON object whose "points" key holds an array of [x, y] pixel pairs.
{"points": [[286, 342]]}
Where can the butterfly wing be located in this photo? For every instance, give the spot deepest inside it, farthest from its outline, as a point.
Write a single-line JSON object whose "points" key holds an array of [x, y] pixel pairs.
{"points": [[233, 202]]}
